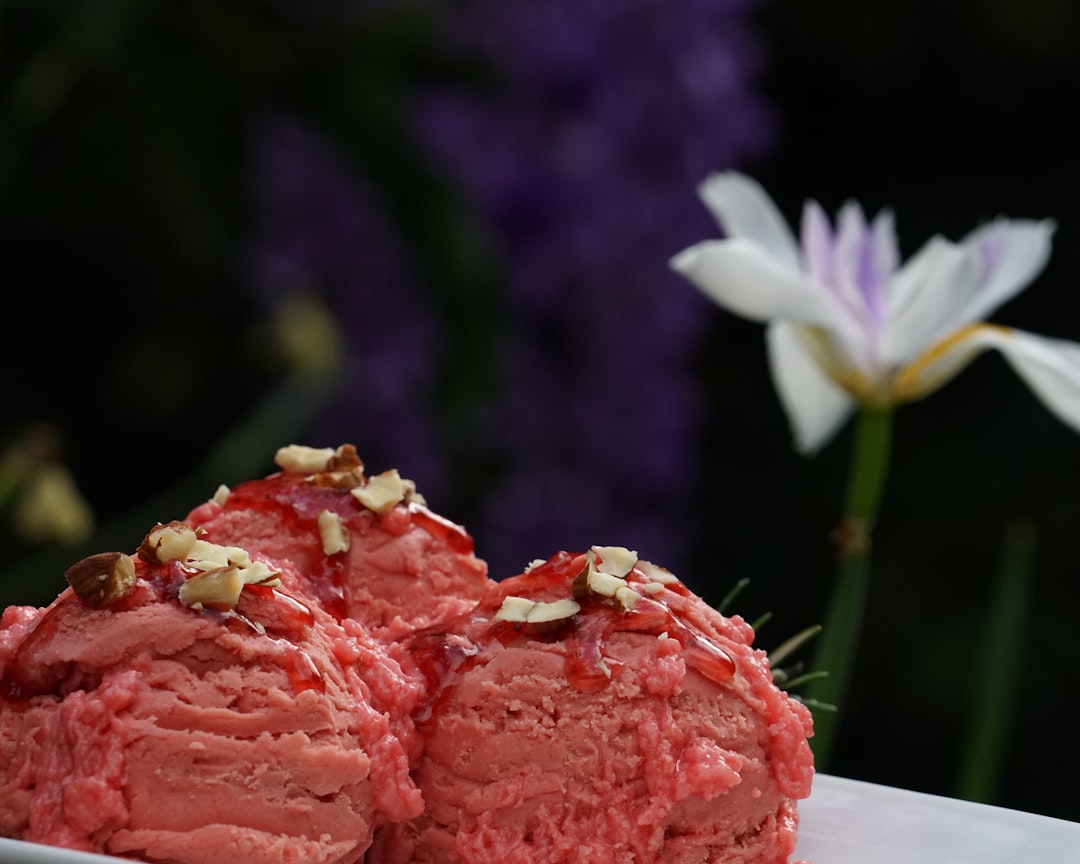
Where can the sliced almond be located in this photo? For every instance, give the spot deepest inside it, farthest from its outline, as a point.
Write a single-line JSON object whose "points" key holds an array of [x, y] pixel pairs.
{"points": [[103, 578], [381, 492], [210, 556], [215, 588], [257, 573], [591, 582], [604, 584], [221, 495], [596, 580], [616, 560], [515, 609], [626, 598], [656, 573], [297, 459], [413, 494], [334, 534], [559, 610], [170, 542]]}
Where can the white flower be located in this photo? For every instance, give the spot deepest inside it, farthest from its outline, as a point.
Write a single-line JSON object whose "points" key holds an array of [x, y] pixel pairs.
{"points": [[848, 325]]}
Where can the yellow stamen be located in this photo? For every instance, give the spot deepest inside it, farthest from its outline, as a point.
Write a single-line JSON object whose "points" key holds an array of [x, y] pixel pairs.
{"points": [[821, 348], [912, 382], [861, 388]]}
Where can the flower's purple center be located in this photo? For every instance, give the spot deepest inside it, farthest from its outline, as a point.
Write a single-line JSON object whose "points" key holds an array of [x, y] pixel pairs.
{"points": [[868, 276], [854, 263]]}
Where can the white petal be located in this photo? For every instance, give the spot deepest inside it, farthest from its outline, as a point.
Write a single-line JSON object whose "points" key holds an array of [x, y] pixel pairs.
{"points": [[817, 244], [886, 248], [1013, 253], [745, 210], [948, 286], [1050, 367], [743, 278], [926, 298], [815, 406]]}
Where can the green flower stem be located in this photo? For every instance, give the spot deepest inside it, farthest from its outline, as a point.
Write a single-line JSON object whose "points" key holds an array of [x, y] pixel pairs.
{"points": [[842, 629], [998, 670]]}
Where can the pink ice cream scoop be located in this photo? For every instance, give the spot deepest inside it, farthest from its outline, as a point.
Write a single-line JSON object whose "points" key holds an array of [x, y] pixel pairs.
{"points": [[181, 705], [594, 709], [364, 547], [315, 667]]}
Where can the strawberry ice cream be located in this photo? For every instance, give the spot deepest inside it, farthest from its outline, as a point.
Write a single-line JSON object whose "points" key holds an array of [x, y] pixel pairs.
{"points": [[182, 706], [365, 547], [594, 709], [315, 667]]}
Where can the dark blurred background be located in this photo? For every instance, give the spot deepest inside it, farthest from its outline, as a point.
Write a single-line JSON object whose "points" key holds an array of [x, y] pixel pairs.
{"points": [[440, 231]]}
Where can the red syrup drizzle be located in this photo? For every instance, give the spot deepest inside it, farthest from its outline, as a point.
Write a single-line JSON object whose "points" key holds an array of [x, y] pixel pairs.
{"points": [[275, 610], [296, 505], [18, 684], [265, 610], [456, 538], [441, 658], [262, 610], [303, 673], [24, 678], [586, 632]]}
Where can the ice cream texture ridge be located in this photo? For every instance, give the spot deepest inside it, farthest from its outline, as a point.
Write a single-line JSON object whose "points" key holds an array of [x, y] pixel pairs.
{"points": [[314, 666]]}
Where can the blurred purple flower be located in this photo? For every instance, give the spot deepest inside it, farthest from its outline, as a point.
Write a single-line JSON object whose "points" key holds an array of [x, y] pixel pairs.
{"points": [[577, 153], [599, 118], [319, 234]]}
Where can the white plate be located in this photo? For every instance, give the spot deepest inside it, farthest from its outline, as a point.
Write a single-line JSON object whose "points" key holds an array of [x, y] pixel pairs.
{"points": [[17, 852], [852, 822], [845, 822]]}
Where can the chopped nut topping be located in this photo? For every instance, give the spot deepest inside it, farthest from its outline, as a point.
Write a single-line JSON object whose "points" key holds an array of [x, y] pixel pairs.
{"points": [[652, 587], [345, 458], [616, 560], [327, 468], [103, 578], [522, 610], [221, 571], [167, 543], [591, 581], [382, 492], [559, 610], [334, 534], [596, 578], [210, 556], [656, 573], [604, 583], [626, 598], [257, 573], [412, 494], [221, 495], [297, 459], [515, 609], [218, 589], [349, 479]]}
